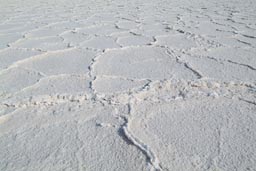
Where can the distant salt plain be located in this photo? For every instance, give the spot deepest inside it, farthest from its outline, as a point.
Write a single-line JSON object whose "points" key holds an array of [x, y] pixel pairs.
{"points": [[127, 85]]}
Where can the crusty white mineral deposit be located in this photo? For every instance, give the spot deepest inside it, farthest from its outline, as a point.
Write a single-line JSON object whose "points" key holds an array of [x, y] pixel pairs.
{"points": [[127, 85]]}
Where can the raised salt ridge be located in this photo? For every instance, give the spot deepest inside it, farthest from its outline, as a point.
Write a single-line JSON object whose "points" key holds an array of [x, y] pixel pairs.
{"points": [[127, 85]]}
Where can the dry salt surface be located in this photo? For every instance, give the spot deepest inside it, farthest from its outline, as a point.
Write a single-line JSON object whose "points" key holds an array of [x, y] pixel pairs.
{"points": [[161, 85]]}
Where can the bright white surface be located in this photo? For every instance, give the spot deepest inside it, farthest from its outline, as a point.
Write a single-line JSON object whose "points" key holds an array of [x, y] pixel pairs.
{"points": [[127, 85]]}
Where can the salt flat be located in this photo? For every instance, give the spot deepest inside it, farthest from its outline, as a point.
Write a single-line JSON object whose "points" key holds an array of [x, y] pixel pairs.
{"points": [[127, 85]]}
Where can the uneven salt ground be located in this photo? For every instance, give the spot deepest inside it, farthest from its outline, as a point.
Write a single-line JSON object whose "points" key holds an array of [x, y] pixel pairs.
{"points": [[127, 85]]}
